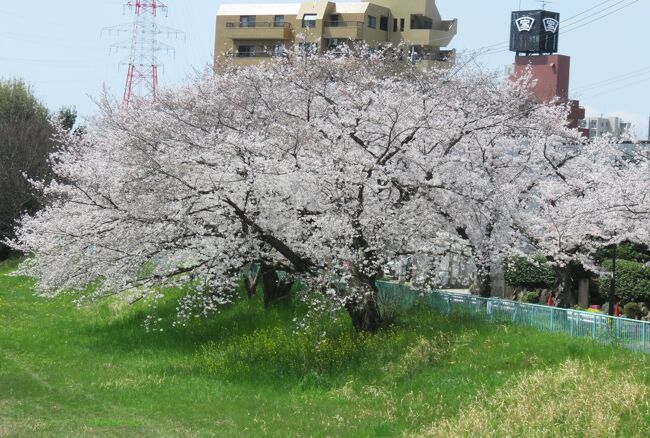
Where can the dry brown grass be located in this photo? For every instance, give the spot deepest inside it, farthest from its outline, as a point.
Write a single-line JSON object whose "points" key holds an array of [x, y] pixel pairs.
{"points": [[422, 354], [576, 399]]}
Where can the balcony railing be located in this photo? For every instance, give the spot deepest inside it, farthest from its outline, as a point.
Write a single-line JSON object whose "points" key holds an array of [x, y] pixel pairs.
{"points": [[343, 29], [258, 30], [256, 54], [448, 25], [262, 24], [442, 57], [339, 23]]}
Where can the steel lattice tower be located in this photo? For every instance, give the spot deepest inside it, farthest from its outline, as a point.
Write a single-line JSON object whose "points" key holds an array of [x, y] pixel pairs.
{"points": [[142, 73]]}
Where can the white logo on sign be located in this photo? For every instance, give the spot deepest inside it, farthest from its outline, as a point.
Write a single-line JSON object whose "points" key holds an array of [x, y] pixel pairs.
{"points": [[551, 25], [524, 24]]}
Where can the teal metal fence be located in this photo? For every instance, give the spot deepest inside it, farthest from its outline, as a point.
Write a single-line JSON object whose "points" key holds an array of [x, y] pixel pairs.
{"points": [[605, 329]]}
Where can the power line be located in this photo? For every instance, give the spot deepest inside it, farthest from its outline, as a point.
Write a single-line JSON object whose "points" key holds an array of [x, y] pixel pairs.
{"points": [[585, 11], [629, 75], [568, 20], [571, 29], [609, 90]]}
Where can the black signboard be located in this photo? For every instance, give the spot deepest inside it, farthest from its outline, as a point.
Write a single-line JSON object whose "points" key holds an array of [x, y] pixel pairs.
{"points": [[534, 32]]}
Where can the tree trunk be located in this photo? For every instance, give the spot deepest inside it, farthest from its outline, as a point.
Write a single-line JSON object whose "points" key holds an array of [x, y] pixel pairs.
{"points": [[484, 281], [5, 251], [250, 287], [564, 285], [365, 315], [275, 289], [250, 281]]}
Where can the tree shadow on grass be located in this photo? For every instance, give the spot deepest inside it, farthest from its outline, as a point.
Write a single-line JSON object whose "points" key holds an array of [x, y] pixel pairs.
{"points": [[249, 345], [128, 333]]}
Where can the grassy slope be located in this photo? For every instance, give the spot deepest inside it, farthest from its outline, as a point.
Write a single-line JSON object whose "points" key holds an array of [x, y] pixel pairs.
{"points": [[95, 372]]}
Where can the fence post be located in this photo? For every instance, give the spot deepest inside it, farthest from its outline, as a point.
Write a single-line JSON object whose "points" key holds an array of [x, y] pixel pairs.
{"points": [[593, 328], [552, 319], [644, 331], [448, 305], [568, 314]]}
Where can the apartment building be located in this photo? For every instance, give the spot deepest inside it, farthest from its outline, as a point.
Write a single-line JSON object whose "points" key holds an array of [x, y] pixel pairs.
{"points": [[599, 126], [250, 33]]}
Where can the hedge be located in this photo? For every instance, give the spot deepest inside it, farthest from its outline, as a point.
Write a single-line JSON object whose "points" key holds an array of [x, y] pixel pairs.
{"points": [[632, 281], [520, 271]]}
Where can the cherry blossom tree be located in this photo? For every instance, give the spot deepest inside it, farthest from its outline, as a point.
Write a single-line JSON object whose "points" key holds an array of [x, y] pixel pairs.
{"points": [[597, 197], [487, 182], [327, 168]]}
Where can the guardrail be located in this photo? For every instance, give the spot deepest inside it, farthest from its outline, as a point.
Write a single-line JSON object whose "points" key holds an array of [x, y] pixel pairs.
{"points": [[605, 329]]}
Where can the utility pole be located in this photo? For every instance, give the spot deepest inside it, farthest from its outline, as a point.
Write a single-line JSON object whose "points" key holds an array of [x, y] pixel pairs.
{"points": [[612, 285]]}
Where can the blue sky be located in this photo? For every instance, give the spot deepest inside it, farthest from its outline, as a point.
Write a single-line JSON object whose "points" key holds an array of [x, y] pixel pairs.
{"points": [[57, 47]]}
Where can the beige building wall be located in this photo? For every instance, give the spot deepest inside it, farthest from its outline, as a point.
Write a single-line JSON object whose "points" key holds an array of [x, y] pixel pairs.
{"points": [[250, 33]]}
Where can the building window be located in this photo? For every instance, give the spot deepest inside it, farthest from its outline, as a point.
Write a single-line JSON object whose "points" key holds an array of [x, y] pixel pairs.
{"points": [[309, 21], [246, 51], [278, 50], [332, 43], [278, 21], [372, 22], [308, 48], [421, 22], [401, 25], [394, 24], [334, 20], [383, 23], [247, 21]]}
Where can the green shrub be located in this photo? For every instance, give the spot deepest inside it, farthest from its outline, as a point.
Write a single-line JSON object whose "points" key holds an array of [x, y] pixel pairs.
{"points": [[632, 310], [632, 281], [626, 251], [530, 297], [631, 251], [590, 310], [520, 271]]}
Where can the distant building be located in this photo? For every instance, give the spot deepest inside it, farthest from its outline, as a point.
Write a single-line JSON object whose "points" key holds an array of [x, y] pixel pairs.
{"points": [[599, 126], [250, 33]]}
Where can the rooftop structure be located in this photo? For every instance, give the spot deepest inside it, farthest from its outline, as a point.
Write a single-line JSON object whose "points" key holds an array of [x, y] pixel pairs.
{"points": [[534, 37], [251, 32]]}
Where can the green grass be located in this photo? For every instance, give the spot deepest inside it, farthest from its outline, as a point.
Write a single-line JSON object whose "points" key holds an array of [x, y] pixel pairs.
{"points": [[94, 371]]}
